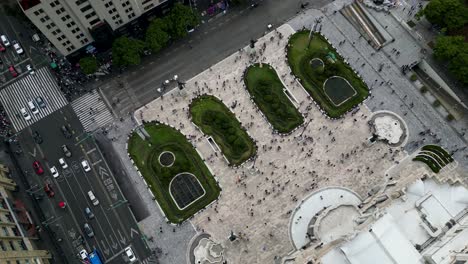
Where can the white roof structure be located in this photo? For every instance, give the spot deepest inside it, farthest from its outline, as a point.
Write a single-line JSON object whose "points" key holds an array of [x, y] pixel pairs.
{"points": [[409, 221], [388, 128]]}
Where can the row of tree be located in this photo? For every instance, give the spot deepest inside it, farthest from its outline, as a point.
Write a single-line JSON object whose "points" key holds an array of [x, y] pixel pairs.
{"points": [[128, 51], [452, 17]]}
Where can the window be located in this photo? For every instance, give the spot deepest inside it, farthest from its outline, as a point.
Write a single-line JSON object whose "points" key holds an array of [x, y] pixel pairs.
{"points": [[128, 10], [125, 4], [84, 41], [108, 4], [112, 11], [52, 24], [60, 11], [94, 22], [145, 2], [5, 231], [12, 245], [131, 15], [90, 15], [118, 22], [42, 19], [86, 8], [2, 245], [48, 26], [79, 2], [61, 37], [148, 7]]}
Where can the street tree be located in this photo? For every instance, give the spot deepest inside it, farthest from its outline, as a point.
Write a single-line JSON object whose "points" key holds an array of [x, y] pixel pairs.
{"points": [[88, 65], [450, 14], [156, 35], [180, 19], [127, 51], [448, 47], [459, 67]]}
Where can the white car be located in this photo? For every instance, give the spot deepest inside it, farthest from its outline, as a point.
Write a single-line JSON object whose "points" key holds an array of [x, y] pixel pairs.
{"points": [[33, 107], [83, 254], [85, 165], [54, 172], [25, 114], [93, 198], [30, 69], [130, 255], [5, 40], [63, 163], [18, 48]]}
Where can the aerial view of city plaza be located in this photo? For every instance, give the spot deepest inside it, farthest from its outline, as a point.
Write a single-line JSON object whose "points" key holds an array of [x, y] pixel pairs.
{"points": [[207, 132]]}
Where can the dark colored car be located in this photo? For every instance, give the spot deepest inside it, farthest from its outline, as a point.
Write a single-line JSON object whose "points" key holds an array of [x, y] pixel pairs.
{"points": [[37, 137], [49, 191], [40, 102], [12, 71], [38, 167], [66, 131], [66, 151]]}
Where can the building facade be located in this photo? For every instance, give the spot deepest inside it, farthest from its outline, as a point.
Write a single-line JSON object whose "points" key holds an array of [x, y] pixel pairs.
{"points": [[69, 24], [16, 245]]}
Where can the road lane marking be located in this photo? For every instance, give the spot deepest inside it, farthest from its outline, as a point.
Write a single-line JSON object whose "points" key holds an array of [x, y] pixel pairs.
{"points": [[97, 162], [133, 231], [122, 239], [91, 150]]}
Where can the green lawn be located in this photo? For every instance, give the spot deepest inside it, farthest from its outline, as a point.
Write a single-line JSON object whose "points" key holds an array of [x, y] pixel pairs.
{"points": [[299, 57], [216, 120], [145, 154], [267, 92]]}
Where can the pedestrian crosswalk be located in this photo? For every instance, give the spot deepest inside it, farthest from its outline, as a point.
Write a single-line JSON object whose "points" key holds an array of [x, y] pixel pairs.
{"points": [[17, 95], [92, 111]]}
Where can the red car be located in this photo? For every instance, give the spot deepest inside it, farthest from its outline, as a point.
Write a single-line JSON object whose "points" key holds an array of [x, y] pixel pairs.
{"points": [[49, 191], [2, 48], [12, 71], [38, 167]]}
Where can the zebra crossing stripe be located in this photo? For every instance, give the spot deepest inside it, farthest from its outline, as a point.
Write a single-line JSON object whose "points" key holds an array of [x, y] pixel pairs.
{"points": [[17, 95], [92, 111]]}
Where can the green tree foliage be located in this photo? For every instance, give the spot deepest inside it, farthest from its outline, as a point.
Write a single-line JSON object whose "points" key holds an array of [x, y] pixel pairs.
{"points": [[452, 14], [179, 19], [455, 50], [88, 65], [156, 35], [127, 51]]}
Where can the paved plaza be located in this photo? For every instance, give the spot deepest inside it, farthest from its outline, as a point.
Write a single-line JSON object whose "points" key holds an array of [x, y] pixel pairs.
{"points": [[257, 199]]}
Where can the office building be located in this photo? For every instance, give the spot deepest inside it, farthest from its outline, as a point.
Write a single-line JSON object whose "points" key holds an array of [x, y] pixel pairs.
{"points": [[16, 229], [72, 24]]}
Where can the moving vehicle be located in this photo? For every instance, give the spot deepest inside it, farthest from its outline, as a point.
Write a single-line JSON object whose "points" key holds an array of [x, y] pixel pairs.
{"points": [[93, 198], [85, 165], [33, 107], [83, 254], [63, 163], [5, 40], [89, 213], [88, 230], [13, 71], [30, 69], [40, 102], [130, 255], [66, 151], [54, 172], [38, 167], [49, 191], [66, 131], [25, 114], [94, 257], [18, 48], [37, 137]]}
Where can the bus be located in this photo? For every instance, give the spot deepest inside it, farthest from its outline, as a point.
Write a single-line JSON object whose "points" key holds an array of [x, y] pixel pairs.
{"points": [[94, 257]]}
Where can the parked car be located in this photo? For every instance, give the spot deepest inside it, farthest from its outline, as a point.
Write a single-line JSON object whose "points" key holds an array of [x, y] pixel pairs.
{"points": [[5, 40], [36, 38], [2, 48], [85, 165], [37, 137], [130, 254], [83, 254], [66, 131], [33, 107], [88, 230], [93, 198], [40, 102], [54, 172], [63, 163], [38, 168], [18, 48], [66, 151], [89, 213], [13, 71], [49, 191], [25, 114]]}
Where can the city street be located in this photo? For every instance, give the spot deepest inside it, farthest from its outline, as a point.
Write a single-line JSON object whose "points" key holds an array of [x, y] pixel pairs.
{"points": [[114, 225]]}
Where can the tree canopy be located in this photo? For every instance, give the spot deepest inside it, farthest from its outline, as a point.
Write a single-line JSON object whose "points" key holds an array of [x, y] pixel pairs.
{"points": [[127, 51], [450, 14], [88, 65], [455, 50], [156, 35], [179, 19]]}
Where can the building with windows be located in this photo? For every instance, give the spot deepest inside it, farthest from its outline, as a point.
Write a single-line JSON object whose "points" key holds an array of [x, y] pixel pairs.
{"points": [[72, 24], [16, 242]]}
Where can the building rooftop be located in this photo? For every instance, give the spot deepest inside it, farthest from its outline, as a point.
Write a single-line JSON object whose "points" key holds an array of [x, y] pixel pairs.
{"points": [[27, 4]]}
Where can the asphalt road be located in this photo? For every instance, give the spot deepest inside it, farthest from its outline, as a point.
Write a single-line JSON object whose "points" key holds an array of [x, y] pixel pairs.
{"points": [[16, 30], [114, 225], [210, 43]]}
